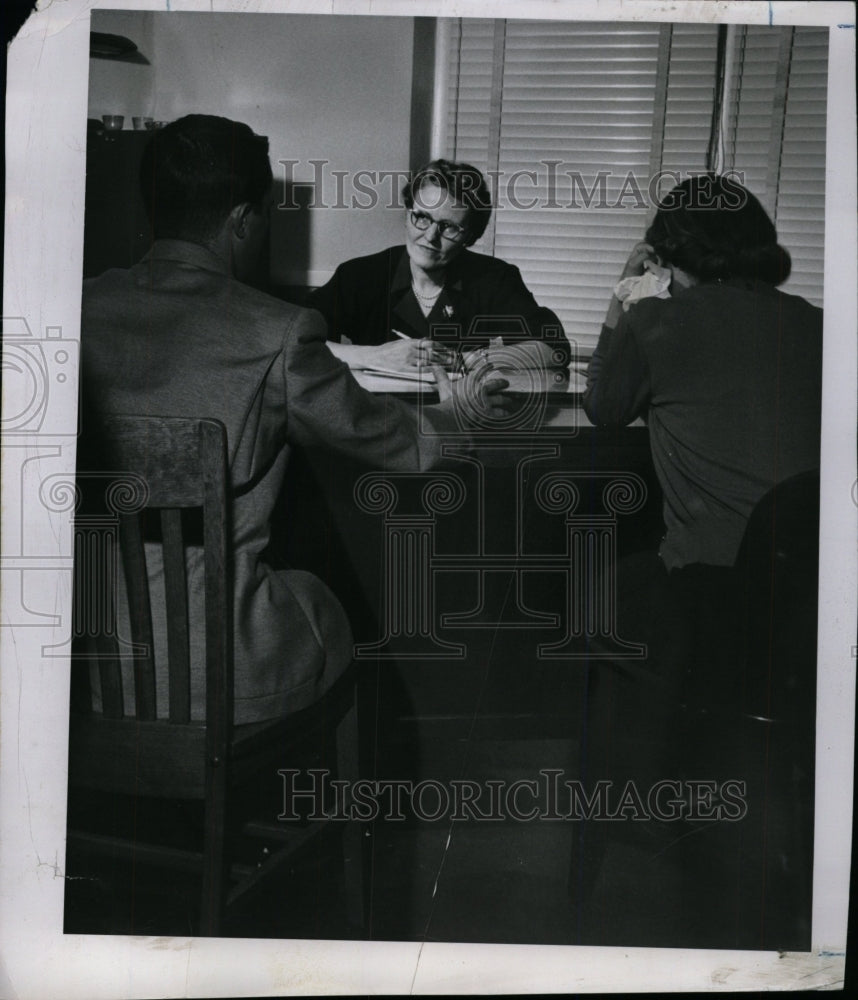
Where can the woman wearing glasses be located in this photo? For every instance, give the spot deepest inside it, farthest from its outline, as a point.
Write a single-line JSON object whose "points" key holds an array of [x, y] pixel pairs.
{"points": [[433, 300]]}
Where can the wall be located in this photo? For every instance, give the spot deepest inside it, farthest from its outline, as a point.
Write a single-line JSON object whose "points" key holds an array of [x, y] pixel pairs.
{"points": [[327, 88]]}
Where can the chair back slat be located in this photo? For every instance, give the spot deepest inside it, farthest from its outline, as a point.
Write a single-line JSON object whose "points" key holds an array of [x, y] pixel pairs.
{"points": [[95, 556], [178, 628], [109, 676], [218, 638], [219, 667], [140, 613], [167, 464]]}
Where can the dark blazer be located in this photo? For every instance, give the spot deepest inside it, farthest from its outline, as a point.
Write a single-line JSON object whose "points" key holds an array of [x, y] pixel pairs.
{"points": [[177, 336], [367, 298]]}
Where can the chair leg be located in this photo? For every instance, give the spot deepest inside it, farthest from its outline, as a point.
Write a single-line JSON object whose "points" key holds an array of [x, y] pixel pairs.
{"points": [[588, 835], [353, 765], [214, 852]]}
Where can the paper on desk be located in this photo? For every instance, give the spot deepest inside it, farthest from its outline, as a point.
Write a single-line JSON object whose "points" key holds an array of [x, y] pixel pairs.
{"points": [[409, 374]]}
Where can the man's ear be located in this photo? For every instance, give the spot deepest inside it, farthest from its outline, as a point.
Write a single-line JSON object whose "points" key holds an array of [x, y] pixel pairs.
{"points": [[238, 219]]}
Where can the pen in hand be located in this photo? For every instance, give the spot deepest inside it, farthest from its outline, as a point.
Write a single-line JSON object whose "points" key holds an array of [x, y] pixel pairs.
{"points": [[450, 357]]}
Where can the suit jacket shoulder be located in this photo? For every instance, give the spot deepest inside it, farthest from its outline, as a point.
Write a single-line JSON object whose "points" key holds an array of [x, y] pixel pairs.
{"points": [[267, 320]]}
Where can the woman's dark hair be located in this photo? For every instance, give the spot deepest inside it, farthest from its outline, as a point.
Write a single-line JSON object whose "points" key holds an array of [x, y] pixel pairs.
{"points": [[463, 183], [713, 228], [195, 170]]}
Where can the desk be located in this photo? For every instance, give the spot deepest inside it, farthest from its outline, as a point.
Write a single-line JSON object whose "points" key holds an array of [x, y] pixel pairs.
{"points": [[481, 594], [561, 387], [487, 566], [559, 392]]}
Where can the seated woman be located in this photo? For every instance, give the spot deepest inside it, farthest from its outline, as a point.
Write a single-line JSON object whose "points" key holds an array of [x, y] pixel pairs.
{"points": [[727, 373], [726, 370], [432, 298]]}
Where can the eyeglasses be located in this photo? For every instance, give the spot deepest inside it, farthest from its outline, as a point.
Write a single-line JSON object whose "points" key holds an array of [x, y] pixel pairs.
{"points": [[447, 230]]}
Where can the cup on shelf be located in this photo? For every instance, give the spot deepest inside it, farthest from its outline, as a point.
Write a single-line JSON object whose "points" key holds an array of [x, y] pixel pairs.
{"points": [[113, 123], [141, 122]]}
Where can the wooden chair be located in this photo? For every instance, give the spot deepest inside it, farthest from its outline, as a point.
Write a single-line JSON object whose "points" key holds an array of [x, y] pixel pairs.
{"points": [[778, 570], [747, 712], [172, 467], [762, 729]]}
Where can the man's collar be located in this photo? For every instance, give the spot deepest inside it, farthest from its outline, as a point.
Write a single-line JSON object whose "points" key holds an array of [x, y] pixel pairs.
{"points": [[194, 254]]}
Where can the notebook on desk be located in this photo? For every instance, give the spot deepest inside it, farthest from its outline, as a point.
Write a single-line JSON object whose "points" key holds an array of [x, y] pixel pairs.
{"points": [[526, 382], [408, 375]]}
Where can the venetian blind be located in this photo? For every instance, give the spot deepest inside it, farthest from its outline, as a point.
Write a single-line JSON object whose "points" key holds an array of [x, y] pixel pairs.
{"points": [[572, 143], [776, 139], [690, 92], [800, 214], [753, 136], [470, 72], [572, 120]]}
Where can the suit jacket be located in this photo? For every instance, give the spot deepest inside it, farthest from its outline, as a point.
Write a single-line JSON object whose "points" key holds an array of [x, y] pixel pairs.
{"points": [[729, 377], [483, 297], [176, 336]]}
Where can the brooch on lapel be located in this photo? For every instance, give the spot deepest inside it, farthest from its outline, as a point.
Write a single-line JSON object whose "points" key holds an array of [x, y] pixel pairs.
{"points": [[448, 312]]}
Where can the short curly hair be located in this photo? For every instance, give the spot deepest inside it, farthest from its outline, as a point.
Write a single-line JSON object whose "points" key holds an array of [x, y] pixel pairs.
{"points": [[195, 170], [713, 228], [464, 183]]}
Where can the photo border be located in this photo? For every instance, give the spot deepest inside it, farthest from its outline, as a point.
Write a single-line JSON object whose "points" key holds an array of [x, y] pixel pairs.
{"points": [[45, 148]]}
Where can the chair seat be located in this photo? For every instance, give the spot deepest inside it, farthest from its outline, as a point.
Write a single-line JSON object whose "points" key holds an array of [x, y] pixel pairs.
{"points": [[161, 759], [154, 758]]}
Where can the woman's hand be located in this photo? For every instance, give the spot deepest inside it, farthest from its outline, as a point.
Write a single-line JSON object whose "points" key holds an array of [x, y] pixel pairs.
{"points": [[407, 353], [471, 360], [475, 398], [637, 260], [397, 355], [642, 254], [525, 355]]}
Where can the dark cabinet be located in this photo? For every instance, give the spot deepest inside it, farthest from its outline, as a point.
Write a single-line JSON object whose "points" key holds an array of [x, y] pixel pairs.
{"points": [[116, 230]]}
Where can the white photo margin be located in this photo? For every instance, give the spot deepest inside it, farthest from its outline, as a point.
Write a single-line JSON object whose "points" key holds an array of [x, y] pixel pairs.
{"points": [[45, 163]]}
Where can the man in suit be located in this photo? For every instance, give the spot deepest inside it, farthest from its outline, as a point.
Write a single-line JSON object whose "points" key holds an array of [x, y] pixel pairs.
{"points": [[181, 334]]}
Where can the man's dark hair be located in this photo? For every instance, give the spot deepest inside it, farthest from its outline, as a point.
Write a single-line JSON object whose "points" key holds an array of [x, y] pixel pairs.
{"points": [[713, 228], [195, 170], [463, 183]]}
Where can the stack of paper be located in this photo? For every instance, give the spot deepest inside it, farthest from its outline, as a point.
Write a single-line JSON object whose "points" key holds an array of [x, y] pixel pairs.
{"points": [[409, 374]]}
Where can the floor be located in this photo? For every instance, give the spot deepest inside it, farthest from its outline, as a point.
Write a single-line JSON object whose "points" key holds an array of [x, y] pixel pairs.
{"points": [[501, 881], [641, 878]]}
